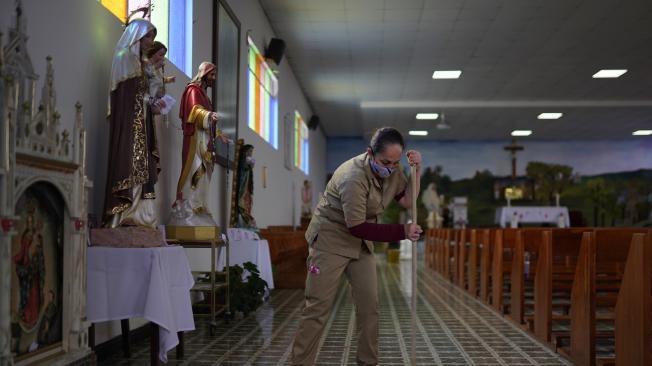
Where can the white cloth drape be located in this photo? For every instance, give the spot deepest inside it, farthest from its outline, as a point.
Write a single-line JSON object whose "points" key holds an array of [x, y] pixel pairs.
{"points": [[149, 283]]}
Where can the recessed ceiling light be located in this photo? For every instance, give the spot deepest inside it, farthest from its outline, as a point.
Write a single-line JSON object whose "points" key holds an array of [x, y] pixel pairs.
{"points": [[642, 133], [521, 132], [449, 74], [427, 115], [418, 133], [550, 115], [609, 73]]}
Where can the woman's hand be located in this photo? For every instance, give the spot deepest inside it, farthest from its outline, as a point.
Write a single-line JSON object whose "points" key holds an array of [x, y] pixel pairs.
{"points": [[412, 231], [414, 158]]}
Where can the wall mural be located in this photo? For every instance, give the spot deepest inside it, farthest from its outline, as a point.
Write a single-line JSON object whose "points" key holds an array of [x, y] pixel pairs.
{"points": [[611, 199], [603, 183], [36, 286]]}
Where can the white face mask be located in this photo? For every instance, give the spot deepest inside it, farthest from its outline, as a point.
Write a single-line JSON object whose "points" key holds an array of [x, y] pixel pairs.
{"points": [[251, 161], [381, 171]]}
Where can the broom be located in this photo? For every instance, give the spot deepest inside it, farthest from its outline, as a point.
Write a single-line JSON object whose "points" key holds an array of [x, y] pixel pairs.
{"points": [[413, 354]]}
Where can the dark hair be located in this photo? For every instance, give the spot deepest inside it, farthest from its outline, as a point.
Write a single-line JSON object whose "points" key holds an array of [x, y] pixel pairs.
{"points": [[156, 46], [383, 137]]}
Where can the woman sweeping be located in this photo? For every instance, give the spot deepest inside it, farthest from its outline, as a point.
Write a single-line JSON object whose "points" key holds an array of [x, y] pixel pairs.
{"points": [[341, 235]]}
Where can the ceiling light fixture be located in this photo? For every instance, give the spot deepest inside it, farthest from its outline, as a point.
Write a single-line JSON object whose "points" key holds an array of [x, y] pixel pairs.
{"points": [[521, 132], [427, 115], [609, 73], [642, 133], [549, 115], [418, 133], [448, 74]]}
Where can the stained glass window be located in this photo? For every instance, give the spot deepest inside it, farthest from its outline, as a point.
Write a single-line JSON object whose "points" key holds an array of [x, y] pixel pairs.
{"points": [[301, 144], [116, 7], [262, 101], [173, 22]]}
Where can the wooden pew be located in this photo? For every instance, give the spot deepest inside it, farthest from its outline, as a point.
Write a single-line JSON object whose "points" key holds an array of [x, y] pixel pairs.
{"points": [[447, 249], [516, 280], [601, 264], [430, 248], [288, 252], [634, 305], [485, 264], [578, 271], [473, 267], [505, 242], [460, 260], [281, 228], [553, 255], [438, 250]]}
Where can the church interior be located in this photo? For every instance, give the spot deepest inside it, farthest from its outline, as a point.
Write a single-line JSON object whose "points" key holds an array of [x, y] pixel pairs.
{"points": [[341, 182]]}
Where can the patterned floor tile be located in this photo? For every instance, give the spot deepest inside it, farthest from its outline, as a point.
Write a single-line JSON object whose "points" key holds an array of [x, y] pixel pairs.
{"points": [[452, 329]]}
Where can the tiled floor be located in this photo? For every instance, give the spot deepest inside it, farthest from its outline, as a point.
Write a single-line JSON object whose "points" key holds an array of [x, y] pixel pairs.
{"points": [[452, 329]]}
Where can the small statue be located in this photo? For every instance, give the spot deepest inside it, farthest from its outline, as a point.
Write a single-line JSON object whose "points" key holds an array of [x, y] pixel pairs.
{"points": [[306, 200], [154, 68], [245, 188], [432, 202]]}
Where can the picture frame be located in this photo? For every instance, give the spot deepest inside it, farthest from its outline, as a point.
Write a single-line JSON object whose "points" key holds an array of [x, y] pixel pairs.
{"points": [[226, 92]]}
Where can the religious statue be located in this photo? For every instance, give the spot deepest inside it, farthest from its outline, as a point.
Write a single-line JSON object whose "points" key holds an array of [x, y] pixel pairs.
{"points": [[133, 156], [156, 75], [306, 200], [243, 188], [432, 202], [199, 133]]}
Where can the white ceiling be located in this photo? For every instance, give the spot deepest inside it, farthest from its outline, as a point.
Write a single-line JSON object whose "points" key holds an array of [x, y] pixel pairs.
{"points": [[519, 58]]}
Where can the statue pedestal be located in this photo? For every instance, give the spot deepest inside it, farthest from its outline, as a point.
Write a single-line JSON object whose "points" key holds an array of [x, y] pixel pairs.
{"points": [[192, 232], [127, 237]]}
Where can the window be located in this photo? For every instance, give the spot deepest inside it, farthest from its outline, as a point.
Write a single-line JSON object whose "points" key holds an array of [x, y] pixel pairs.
{"points": [[301, 144], [262, 102], [173, 22]]}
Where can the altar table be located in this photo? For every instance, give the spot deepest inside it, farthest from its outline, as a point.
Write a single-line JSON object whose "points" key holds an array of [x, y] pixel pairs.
{"points": [[533, 215]]}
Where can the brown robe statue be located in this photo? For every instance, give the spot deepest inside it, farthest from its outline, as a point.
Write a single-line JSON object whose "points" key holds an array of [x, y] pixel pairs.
{"points": [[133, 157]]}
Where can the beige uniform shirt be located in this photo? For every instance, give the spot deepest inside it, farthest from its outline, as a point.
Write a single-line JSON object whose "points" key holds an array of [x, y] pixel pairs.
{"points": [[353, 196]]}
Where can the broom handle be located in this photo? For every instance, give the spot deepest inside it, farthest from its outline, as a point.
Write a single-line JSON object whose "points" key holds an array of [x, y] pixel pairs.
{"points": [[414, 177]]}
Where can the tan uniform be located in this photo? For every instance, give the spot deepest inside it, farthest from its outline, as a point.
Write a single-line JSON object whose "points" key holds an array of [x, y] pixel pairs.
{"points": [[352, 197]]}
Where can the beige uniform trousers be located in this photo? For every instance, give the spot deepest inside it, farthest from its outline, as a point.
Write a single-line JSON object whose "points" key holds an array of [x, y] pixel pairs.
{"points": [[321, 290]]}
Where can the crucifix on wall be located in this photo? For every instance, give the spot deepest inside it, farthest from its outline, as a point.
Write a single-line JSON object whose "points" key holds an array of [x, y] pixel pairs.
{"points": [[513, 148]]}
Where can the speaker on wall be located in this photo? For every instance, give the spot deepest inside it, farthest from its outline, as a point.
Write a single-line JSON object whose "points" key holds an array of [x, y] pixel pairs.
{"points": [[275, 50], [313, 123]]}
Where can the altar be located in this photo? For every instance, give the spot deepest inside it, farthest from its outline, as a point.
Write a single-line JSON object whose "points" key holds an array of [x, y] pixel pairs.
{"points": [[43, 210], [557, 216]]}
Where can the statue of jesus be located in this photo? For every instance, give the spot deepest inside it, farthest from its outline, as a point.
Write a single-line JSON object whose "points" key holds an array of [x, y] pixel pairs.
{"points": [[199, 133]]}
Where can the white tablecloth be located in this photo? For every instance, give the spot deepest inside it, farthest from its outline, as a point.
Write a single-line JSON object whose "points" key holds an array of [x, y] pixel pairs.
{"points": [[244, 247], [150, 283], [236, 234], [532, 215], [254, 251]]}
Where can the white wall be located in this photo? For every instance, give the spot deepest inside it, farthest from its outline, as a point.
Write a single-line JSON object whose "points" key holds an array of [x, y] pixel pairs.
{"points": [[272, 205], [80, 36]]}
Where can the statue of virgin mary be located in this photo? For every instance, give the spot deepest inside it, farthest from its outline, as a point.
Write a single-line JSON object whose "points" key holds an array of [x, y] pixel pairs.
{"points": [[133, 156]]}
